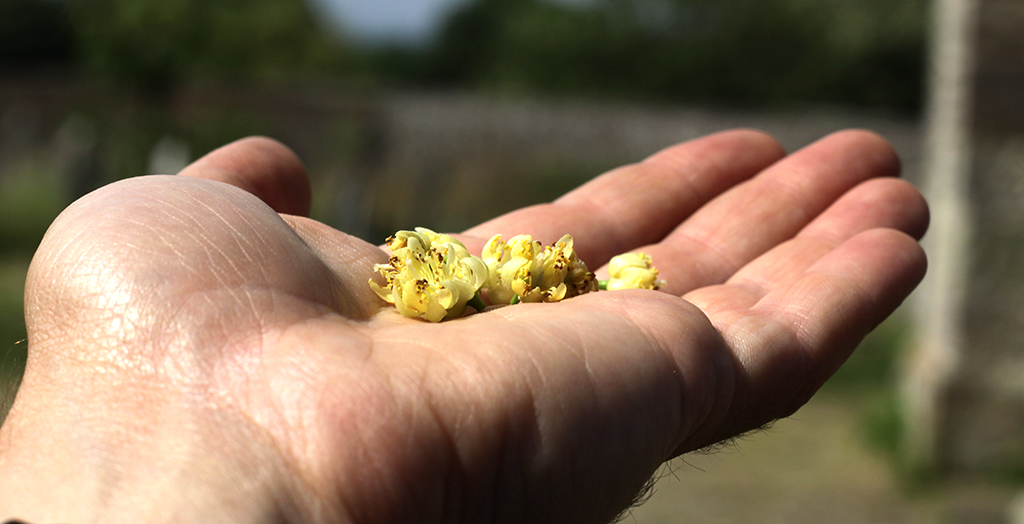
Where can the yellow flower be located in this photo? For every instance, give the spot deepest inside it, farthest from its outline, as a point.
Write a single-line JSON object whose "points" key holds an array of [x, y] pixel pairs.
{"points": [[561, 262], [429, 275], [521, 270], [633, 271], [421, 238], [509, 265]]}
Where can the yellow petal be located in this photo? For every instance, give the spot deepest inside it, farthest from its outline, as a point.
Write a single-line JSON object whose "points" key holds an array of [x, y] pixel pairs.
{"points": [[474, 271], [445, 298], [434, 312], [627, 260], [402, 307], [383, 292], [413, 296], [556, 294], [493, 249]]}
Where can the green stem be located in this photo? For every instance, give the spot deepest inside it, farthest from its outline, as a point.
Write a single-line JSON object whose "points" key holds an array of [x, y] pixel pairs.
{"points": [[602, 285], [476, 302], [515, 299]]}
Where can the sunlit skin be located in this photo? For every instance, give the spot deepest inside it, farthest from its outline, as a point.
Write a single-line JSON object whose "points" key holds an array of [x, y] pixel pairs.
{"points": [[199, 352]]}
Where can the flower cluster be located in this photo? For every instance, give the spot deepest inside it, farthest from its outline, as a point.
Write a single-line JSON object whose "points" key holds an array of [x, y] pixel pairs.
{"points": [[523, 271], [433, 276], [429, 275]]}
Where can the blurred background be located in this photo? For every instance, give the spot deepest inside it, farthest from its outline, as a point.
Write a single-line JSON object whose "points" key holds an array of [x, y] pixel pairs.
{"points": [[392, 102]]}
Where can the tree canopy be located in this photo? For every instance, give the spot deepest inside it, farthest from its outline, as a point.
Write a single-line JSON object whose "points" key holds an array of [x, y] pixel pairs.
{"points": [[157, 43], [736, 52], [753, 53]]}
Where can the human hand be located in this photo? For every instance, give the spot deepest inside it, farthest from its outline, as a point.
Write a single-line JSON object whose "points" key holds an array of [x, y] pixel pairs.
{"points": [[195, 356]]}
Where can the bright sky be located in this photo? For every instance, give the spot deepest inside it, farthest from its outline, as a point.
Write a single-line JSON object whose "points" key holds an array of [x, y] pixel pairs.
{"points": [[408, 21], [404, 21]]}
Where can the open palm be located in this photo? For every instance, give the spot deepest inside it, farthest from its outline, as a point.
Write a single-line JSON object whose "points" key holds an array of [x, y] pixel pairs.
{"points": [[191, 348]]}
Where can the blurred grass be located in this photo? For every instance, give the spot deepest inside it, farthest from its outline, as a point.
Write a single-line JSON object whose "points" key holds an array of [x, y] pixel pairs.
{"points": [[874, 364], [868, 381], [12, 328], [12, 320], [31, 196]]}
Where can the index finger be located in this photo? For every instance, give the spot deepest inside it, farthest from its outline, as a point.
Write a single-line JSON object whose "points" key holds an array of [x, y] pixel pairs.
{"points": [[640, 203]]}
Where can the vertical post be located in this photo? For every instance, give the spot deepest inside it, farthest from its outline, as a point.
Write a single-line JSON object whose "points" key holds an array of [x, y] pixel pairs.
{"points": [[964, 387], [946, 165]]}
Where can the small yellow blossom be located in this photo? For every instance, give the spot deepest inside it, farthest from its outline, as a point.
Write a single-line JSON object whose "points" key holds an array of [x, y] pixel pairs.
{"points": [[429, 275], [509, 265], [521, 270], [633, 271]]}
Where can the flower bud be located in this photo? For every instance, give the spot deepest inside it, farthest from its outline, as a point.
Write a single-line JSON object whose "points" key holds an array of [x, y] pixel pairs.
{"points": [[633, 271]]}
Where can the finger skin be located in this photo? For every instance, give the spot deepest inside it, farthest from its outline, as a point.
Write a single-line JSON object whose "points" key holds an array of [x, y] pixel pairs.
{"points": [[261, 166], [877, 203], [640, 203], [794, 338], [881, 202], [751, 218]]}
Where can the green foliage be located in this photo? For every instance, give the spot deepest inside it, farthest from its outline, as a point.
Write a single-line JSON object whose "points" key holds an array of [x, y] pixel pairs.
{"points": [[869, 379], [12, 328], [736, 52], [874, 364], [883, 425], [156, 44], [29, 201], [12, 321], [750, 53]]}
